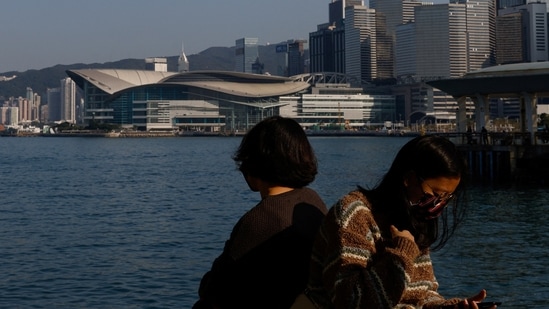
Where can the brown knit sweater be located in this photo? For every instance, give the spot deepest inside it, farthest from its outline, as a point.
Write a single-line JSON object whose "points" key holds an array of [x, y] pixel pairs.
{"points": [[356, 264]]}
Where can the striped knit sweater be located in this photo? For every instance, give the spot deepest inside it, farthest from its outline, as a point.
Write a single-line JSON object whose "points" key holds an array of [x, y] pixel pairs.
{"points": [[355, 266]]}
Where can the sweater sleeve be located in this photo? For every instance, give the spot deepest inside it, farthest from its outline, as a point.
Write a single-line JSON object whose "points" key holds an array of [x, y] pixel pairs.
{"points": [[358, 275]]}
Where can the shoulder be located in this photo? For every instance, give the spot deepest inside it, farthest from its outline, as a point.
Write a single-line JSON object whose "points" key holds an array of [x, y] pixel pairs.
{"points": [[309, 196], [352, 206]]}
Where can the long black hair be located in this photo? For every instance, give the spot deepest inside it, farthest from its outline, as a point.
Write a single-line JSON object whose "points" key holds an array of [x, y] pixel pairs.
{"points": [[427, 156]]}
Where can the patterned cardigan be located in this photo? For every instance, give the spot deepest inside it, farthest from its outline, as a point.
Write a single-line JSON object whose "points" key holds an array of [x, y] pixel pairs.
{"points": [[354, 266]]}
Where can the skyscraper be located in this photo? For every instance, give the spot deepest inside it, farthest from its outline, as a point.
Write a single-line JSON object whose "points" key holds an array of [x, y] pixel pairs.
{"points": [[68, 100], [246, 54], [360, 43], [54, 104], [327, 44], [296, 57], [481, 32], [390, 14], [327, 49], [531, 21]]}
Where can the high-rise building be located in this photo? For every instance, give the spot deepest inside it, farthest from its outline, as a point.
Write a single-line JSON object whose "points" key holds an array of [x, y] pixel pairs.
{"points": [[336, 10], [405, 50], [395, 12], [68, 100], [327, 44], [25, 110], [530, 39], [33, 105], [246, 54], [296, 57], [441, 41], [509, 3], [9, 115], [327, 49], [481, 33], [54, 104], [281, 60], [390, 14], [360, 43], [510, 39]]}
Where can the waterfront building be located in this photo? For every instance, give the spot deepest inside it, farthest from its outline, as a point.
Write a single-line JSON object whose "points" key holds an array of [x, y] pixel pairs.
{"points": [[148, 100], [339, 111], [32, 113], [9, 115], [246, 54], [36, 103], [25, 110], [3, 114], [420, 104], [68, 100], [216, 101], [53, 96], [44, 113]]}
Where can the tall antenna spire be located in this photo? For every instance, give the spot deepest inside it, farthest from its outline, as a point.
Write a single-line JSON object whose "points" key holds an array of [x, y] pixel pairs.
{"points": [[183, 63]]}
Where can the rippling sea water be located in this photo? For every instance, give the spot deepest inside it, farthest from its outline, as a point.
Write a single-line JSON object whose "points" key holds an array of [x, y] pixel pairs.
{"points": [[134, 223]]}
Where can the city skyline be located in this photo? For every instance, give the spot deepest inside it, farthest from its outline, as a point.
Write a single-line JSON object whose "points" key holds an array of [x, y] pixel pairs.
{"points": [[37, 34]]}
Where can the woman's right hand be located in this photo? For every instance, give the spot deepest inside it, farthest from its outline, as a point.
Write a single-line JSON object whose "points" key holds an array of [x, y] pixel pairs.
{"points": [[404, 233]]}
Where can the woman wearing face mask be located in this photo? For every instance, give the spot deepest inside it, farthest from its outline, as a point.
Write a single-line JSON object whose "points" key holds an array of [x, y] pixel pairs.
{"points": [[372, 250]]}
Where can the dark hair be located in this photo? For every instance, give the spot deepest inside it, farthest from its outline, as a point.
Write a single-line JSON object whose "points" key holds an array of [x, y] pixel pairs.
{"points": [[277, 150], [429, 156]]}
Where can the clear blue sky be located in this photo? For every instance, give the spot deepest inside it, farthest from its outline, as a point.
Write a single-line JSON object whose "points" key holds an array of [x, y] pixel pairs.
{"points": [[35, 34]]}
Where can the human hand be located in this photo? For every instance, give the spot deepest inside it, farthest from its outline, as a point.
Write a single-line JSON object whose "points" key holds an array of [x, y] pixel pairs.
{"points": [[474, 302], [404, 233]]}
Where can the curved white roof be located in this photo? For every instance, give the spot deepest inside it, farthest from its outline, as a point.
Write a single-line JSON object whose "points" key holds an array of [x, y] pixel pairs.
{"points": [[236, 83], [113, 80]]}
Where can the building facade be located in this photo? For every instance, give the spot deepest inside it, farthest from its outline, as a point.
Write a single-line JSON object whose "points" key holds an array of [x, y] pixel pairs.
{"points": [[360, 43], [527, 33], [246, 54], [68, 100]]}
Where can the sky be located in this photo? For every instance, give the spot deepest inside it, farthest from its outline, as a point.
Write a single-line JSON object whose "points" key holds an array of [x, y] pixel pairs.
{"points": [[36, 34]]}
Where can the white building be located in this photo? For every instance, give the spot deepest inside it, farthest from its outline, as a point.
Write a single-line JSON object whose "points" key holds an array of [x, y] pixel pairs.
{"points": [[68, 100], [352, 111]]}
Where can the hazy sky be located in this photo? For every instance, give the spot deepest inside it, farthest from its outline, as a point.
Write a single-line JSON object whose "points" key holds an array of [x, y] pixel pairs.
{"points": [[35, 34]]}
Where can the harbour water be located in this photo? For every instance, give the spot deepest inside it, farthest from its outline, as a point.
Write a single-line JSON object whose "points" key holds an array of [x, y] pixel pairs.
{"points": [[134, 223]]}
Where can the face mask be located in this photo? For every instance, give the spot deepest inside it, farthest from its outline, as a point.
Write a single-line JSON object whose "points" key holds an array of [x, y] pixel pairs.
{"points": [[430, 206]]}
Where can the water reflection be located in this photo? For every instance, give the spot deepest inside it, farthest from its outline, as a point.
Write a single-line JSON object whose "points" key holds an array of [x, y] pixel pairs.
{"points": [[503, 247]]}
